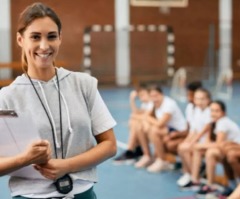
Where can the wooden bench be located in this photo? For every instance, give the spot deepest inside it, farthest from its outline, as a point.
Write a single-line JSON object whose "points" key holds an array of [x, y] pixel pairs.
{"points": [[220, 179]]}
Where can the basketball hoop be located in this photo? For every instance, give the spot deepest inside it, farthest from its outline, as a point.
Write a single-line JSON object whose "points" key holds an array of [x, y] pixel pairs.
{"points": [[164, 10], [163, 3]]}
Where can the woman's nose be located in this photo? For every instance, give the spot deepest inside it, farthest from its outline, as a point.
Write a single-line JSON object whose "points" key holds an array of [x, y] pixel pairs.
{"points": [[44, 44]]}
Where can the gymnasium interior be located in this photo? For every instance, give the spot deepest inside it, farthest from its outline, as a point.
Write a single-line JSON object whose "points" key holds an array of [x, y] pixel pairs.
{"points": [[126, 42]]}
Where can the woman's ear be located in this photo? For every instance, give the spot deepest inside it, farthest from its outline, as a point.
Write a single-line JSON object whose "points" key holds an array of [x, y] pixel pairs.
{"points": [[19, 39]]}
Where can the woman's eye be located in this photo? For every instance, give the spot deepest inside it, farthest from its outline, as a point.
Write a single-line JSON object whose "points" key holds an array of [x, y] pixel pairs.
{"points": [[35, 37], [52, 37]]}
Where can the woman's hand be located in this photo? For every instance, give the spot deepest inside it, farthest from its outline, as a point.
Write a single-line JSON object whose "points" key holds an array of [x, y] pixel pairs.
{"points": [[105, 148], [53, 169], [133, 95], [39, 152], [36, 153]]}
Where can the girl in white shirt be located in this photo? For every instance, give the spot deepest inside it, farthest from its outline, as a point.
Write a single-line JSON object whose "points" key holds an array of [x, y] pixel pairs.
{"points": [[199, 119], [222, 129], [167, 118], [136, 121], [231, 163], [191, 89]]}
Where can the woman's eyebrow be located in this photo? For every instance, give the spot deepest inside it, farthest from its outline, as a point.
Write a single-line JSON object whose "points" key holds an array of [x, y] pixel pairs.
{"points": [[35, 33], [38, 33], [53, 32]]}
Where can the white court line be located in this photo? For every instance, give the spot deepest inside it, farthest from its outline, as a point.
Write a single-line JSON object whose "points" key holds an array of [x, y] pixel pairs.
{"points": [[122, 145]]}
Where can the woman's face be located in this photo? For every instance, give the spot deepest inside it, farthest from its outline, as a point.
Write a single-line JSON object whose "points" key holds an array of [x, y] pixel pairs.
{"points": [[216, 111], [156, 97], [143, 95], [201, 99], [40, 42]]}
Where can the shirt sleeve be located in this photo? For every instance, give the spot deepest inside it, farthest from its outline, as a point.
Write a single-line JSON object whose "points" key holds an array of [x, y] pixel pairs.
{"points": [[169, 108], [221, 126], [192, 126], [102, 119], [189, 112]]}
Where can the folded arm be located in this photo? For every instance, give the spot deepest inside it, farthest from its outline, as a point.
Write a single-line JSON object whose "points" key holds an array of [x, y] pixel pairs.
{"points": [[105, 149]]}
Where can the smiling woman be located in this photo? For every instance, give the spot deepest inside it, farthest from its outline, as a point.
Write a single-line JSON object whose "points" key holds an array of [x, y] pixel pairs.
{"points": [[40, 40], [67, 110], [40, 45]]}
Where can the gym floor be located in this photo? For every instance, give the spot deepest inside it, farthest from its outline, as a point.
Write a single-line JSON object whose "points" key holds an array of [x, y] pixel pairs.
{"points": [[126, 182]]}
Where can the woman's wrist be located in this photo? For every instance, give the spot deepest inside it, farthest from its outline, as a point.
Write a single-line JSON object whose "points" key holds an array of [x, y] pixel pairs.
{"points": [[21, 160], [67, 166]]}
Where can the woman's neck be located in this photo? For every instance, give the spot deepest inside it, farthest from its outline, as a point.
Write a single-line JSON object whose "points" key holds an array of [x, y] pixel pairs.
{"points": [[42, 74], [203, 108]]}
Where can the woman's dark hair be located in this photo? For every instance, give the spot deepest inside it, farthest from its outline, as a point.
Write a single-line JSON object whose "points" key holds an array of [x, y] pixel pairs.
{"points": [[221, 104], [208, 94], [35, 11], [213, 136], [32, 12], [155, 87], [193, 86], [141, 86], [213, 125]]}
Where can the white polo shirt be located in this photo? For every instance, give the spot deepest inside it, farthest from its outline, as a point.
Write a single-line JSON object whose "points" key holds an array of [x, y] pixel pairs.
{"points": [[177, 120], [189, 112], [226, 125], [200, 119]]}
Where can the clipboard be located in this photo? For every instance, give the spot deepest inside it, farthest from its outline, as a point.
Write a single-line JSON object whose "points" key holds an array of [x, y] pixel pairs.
{"points": [[17, 131]]}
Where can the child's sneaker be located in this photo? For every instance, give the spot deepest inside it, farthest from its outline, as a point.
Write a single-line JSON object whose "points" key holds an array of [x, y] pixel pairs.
{"points": [[143, 162], [159, 165], [191, 186], [128, 157], [225, 193], [184, 179], [206, 190]]}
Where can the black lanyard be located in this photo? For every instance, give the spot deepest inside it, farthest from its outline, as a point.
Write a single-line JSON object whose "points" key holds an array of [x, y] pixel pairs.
{"points": [[60, 112]]}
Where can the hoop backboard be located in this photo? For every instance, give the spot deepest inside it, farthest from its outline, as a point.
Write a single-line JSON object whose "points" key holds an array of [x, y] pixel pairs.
{"points": [[160, 3]]}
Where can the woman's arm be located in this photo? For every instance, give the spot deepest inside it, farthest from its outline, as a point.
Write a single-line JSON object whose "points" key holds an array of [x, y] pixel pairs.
{"points": [[37, 153], [141, 114], [133, 106], [106, 148], [221, 138], [159, 122], [198, 136]]}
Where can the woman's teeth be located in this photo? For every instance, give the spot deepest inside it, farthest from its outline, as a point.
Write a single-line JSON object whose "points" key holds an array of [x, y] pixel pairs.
{"points": [[43, 55]]}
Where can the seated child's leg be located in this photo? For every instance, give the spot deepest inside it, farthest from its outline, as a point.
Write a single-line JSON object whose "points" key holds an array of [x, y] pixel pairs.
{"points": [[213, 156], [198, 154], [156, 137], [233, 158]]}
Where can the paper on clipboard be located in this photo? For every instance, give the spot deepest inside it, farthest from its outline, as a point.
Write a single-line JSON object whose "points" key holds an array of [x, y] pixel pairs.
{"points": [[16, 133]]}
